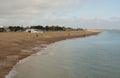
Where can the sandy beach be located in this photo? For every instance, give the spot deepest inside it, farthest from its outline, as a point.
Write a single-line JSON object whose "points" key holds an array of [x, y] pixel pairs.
{"points": [[15, 46]]}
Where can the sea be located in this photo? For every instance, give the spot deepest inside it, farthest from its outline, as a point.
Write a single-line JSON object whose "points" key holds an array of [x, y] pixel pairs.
{"points": [[95, 56]]}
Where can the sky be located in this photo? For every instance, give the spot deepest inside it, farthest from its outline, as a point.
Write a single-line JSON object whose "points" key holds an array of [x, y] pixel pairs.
{"points": [[95, 14]]}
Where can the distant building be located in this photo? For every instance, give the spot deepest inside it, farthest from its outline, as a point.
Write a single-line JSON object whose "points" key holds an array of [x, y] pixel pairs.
{"points": [[33, 31]]}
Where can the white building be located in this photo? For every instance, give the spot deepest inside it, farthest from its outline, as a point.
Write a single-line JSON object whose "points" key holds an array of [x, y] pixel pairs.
{"points": [[33, 31], [1, 26]]}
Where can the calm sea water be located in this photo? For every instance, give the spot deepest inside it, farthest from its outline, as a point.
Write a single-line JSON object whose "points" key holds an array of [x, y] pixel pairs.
{"points": [[90, 57]]}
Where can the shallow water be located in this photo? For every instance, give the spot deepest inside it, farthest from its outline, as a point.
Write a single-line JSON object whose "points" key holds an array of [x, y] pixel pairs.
{"points": [[89, 57]]}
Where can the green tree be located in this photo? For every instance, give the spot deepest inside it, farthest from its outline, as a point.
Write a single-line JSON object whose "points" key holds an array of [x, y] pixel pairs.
{"points": [[39, 27]]}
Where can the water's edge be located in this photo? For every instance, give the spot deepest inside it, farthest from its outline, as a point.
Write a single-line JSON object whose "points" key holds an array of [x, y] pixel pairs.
{"points": [[12, 73]]}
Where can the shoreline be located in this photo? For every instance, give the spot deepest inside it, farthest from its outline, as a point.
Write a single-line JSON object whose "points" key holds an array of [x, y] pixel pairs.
{"points": [[16, 46]]}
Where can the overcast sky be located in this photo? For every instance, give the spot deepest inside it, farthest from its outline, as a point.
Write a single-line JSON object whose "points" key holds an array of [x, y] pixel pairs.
{"points": [[74, 13]]}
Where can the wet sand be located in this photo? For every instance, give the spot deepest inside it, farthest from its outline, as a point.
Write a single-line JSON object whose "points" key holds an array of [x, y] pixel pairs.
{"points": [[15, 46]]}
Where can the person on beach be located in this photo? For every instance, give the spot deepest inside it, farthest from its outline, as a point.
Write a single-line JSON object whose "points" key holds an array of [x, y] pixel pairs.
{"points": [[37, 35]]}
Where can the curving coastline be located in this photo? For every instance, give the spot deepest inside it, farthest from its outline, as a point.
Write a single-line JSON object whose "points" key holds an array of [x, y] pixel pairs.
{"points": [[16, 46]]}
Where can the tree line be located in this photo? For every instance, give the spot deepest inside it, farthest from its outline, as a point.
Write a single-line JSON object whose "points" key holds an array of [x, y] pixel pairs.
{"points": [[49, 28], [38, 27]]}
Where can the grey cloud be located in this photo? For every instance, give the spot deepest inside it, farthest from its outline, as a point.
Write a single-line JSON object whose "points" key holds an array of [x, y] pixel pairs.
{"points": [[31, 6], [12, 10], [25, 9]]}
